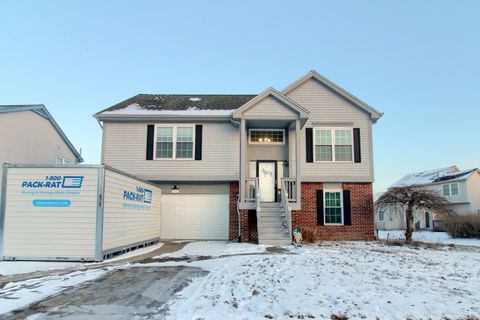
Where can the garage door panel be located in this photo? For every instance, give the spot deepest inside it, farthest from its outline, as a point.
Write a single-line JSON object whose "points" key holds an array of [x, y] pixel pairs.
{"points": [[199, 216]]}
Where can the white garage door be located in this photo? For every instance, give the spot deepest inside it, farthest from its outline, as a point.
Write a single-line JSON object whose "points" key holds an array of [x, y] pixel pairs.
{"points": [[194, 216]]}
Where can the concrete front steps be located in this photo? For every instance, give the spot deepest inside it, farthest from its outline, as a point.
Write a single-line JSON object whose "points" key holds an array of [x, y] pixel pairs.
{"points": [[270, 219]]}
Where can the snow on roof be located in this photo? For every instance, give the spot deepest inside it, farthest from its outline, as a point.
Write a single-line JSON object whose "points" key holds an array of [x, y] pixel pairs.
{"points": [[136, 109], [424, 177], [431, 176]]}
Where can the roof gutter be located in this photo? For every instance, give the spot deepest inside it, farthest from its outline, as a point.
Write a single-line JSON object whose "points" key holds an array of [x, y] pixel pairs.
{"points": [[98, 120]]}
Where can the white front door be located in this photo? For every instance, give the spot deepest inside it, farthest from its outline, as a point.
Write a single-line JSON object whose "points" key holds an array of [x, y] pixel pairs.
{"points": [[266, 181]]}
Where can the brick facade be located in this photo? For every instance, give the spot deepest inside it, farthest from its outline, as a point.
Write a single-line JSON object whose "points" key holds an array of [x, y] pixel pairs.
{"points": [[233, 232], [361, 199]]}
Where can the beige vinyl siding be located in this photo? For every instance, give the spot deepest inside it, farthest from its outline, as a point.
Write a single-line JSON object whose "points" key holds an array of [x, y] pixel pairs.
{"points": [[267, 152], [462, 191], [125, 226], [125, 148], [473, 192], [26, 137], [327, 109], [196, 188], [270, 107], [49, 232]]}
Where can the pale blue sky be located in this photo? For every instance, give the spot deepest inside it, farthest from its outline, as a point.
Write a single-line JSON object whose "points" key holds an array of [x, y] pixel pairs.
{"points": [[416, 61]]}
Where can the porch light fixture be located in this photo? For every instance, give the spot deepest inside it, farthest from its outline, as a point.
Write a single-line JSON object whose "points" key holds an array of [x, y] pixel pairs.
{"points": [[175, 189]]}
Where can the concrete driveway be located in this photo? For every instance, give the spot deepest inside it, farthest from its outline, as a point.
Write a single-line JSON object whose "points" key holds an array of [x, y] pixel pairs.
{"points": [[130, 293]]}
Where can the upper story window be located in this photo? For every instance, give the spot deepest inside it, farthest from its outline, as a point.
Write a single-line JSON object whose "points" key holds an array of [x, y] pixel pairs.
{"points": [[333, 207], [267, 136], [174, 142], [333, 144], [62, 160], [450, 189]]}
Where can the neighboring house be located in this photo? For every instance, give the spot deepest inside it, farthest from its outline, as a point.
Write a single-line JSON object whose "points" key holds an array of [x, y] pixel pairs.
{"points": [[297, 157], [30, 135], [460, 187]]}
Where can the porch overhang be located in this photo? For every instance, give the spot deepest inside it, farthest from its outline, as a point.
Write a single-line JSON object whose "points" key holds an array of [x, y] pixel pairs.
{"points": [[287, 110]]}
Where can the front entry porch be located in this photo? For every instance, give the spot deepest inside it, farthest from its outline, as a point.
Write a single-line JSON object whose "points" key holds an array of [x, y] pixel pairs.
{"points": [[270, 132]]}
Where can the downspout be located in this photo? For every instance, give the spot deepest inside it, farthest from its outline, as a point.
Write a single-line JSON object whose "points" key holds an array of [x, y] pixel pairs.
{"points": [[233, 122], [239, 237]]}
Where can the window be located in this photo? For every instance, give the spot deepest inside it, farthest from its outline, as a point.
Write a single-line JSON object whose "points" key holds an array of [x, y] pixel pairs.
{"points": [[333, 145], [174, 142], [266, 136], [450, 189], [61, 160], [333, 207], [381, 216]]}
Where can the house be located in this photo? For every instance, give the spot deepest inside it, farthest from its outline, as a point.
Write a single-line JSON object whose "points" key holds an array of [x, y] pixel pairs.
{"points": [[459, 187], [251, 167], [30, 135]]}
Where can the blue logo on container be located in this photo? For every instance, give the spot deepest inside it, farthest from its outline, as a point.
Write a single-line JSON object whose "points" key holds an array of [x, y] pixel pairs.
{"points": [[51, 203], [148, 196], [72, 181]]}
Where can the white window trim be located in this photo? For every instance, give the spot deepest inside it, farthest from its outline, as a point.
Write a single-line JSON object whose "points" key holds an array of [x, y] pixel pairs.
{"points": [[450, 189], [174, 141], [325, 207], [266, 143], [333, 144]]}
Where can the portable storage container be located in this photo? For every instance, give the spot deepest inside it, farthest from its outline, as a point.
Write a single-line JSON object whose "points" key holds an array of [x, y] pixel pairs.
{"points": [[75, 213]]}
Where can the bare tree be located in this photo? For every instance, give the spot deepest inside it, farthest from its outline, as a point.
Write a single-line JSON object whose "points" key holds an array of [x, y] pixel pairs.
{"points": [[410, 198]]}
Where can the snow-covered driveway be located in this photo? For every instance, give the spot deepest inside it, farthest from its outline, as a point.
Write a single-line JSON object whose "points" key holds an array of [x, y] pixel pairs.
{"points": [[360, 280]]}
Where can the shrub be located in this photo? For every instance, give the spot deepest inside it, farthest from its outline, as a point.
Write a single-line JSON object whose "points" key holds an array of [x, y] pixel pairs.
{"points": [[309, 234], [467, 226]]}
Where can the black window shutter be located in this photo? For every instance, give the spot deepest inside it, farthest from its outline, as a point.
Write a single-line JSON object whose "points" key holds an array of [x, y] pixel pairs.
{"points": [[347, 208], [150, 138], [309, 143], [320, 207], [198, 141], [356, 145]]}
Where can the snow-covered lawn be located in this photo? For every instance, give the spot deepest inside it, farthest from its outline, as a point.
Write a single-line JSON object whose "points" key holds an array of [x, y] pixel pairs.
{"points": [[360, 280], [429, 237]]}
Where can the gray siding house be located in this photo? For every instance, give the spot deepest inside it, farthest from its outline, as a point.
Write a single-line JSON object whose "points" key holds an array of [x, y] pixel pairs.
{"points": [[251, 167], [460, 187], [30, 135]]}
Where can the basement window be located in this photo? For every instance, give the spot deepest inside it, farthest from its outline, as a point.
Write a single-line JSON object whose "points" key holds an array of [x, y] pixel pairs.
{"points": [[333, 207]]}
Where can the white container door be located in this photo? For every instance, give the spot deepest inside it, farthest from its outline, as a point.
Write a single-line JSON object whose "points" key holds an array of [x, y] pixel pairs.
{"points": [[194, 216]]}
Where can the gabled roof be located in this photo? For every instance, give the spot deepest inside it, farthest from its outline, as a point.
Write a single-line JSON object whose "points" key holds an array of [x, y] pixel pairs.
{"points": [[271, 92], [183, 104], [451, 173], [374, 114], [42, 111]]}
